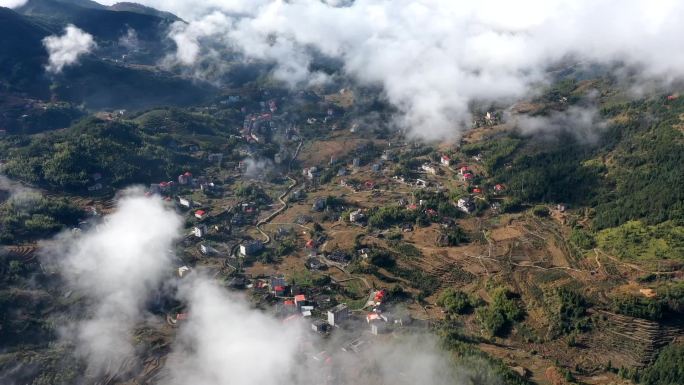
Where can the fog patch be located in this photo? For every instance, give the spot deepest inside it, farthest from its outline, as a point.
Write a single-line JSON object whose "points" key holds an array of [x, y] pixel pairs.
{"points": [[66, 49], [433, 61], [584, 123], [115, 266]]}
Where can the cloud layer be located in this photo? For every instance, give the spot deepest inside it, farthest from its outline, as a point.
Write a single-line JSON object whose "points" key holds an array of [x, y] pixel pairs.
{"points": [[65, 50], [434, 58]]}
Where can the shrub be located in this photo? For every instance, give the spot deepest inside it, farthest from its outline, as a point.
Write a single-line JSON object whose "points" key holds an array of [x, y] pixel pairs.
{"points": [[454, 301]]}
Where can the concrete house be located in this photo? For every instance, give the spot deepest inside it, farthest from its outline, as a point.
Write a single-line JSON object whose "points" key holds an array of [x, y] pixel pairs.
{"points": [[184, 202], [251, 248], [430, 169], [445, 160], [319, 326], [356, 216], [199, 231], [338, 314], [184, 179], [318, 205], [466, 205]]}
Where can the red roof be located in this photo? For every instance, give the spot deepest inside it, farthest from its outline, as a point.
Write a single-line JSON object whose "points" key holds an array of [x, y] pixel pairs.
{"points": [[288, 302], [188, 173], [464, 168], [279, 288], [181, 316], [300, 298], [498, 187], [477, 190], [200, 213], [446, 157], [468, 176], [310, 243], [163, 184]]}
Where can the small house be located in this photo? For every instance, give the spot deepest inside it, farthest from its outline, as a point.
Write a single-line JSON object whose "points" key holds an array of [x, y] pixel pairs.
{"points": [[199, 231], [277, 280], [184, 202], [200, 214], [445, 160], [318, 205], [356, 216], [428, 168], [311, 172], [338, 314], [184, 179], [300, 299], [339, 256], [314, 264], [251, 248], [378, 328], [466, 205], [320, 326], [238, 282], [280, 291]]}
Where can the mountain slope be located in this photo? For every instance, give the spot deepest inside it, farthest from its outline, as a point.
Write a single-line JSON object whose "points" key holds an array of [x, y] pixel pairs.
{"points": [[103, 24], [139, 8], [22, 56]]}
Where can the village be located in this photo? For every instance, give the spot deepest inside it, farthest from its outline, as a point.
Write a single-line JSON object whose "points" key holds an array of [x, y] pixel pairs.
{"points": [[288, 231], [362, 234]]}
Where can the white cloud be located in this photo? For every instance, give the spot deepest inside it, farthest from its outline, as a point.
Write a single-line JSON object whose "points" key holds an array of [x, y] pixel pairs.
{"points": [[116, 266], [65, 50], [434, 58], [12, 3], [225, 341]]}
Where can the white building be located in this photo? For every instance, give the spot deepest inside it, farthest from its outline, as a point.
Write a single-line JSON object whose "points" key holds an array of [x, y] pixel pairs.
{"points": [[466, 205], [199, 231], [445, 160], [430, 169], [355, 216]]}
